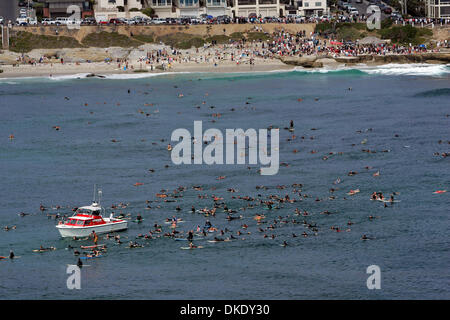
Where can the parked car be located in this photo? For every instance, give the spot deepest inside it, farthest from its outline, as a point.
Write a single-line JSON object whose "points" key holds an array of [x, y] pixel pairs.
{"points": [[345, 6], [88, 21], [115, 21], [387, 10], [396, 15], [26, 21], [48, 21], [158, 21], [62, 21]]}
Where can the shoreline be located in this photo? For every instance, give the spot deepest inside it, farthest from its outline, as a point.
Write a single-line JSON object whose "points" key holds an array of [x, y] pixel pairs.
{"points": [[71, 69], [312, 63]]}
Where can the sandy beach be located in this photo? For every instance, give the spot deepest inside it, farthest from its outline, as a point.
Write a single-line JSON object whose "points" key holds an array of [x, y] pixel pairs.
{"points": [[102, 68]]}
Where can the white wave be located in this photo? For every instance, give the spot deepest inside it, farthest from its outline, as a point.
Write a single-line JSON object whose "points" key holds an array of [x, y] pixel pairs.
{"points": [[413, 69], [325, 69], [67, 77], [125, 76]]}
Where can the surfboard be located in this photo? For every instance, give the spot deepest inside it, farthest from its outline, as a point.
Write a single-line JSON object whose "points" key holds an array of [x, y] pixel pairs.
{"points": [[87, 258], [189, 248], [184, 239], [94, 246], [214, 241], [170, 222], [44, 250], [137, 221]]}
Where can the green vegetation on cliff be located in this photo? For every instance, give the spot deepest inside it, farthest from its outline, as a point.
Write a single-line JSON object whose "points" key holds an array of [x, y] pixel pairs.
{"points": [[109, 39], [396, 33], [26, 41], [144, 38], [406, 34], [182, 40]]}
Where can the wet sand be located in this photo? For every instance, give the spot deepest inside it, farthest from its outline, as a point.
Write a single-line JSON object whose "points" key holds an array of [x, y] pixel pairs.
{"points": [[100, 68]]}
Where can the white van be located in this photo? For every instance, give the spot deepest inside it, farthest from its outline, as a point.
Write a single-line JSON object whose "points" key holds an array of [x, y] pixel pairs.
{"points": [[158, 21], [26, 21], [62, 21], [48, 21]]}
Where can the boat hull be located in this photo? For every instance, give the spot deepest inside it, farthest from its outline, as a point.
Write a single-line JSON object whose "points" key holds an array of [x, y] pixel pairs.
{"points": [[74, 231]]}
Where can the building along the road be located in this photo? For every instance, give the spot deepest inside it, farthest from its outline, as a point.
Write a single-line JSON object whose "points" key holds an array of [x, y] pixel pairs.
{"points": [[437, 8]]}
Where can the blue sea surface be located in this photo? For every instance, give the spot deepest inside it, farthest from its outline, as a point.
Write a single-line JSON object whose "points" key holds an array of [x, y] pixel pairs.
{"points": [[342, 112]]}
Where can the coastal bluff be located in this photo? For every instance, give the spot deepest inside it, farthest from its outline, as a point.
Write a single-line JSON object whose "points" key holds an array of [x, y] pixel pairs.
{"points": [[162, 30]]}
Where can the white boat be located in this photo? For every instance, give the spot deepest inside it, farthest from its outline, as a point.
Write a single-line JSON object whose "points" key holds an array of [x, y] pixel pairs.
{"points": [[89, 218]]}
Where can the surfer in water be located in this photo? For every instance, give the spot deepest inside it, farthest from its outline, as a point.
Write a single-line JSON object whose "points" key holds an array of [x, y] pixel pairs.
{"points": [[190, 236], [192, 246], [11, 254], [94, 237]]}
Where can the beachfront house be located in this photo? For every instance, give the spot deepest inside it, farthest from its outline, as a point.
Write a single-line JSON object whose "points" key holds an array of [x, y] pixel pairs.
{"points": [[217, 8], [163, 8], [437, 9], [260, 8], [188, 8], [109, 9], [58, 8], [307, 8]]}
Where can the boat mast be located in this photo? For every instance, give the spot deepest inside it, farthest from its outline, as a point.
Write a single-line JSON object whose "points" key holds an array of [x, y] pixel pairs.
{"points": [[99, 196]]}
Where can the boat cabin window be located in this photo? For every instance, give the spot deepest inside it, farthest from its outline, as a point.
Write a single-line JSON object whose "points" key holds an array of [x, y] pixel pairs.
{"points": [[72, 221], [88, 222], [88, 211], [80, 222]]}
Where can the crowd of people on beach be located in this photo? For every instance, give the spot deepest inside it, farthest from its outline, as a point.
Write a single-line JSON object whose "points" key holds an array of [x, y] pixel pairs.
{"points": [[243, 51]]}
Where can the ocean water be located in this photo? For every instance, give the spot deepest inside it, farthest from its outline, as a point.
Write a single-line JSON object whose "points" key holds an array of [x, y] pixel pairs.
{"points": [[410, 238]]}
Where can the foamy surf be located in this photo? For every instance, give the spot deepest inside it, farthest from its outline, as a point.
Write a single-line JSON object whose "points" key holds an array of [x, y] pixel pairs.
{"points": [[68, 77], [123, 76], [414, 69], [394, 69]]}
